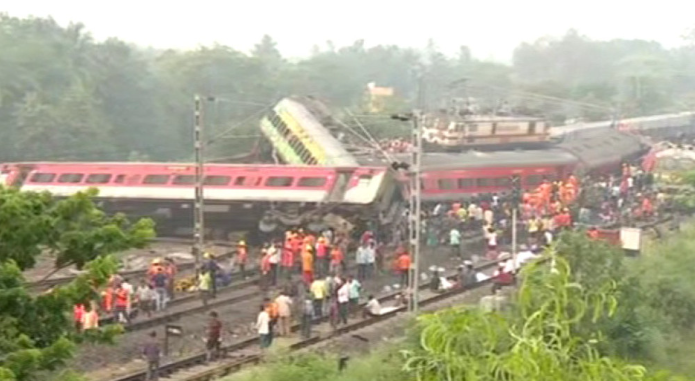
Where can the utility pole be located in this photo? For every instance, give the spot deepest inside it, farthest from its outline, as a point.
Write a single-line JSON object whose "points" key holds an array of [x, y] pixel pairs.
{"points": [[415, 195], [198, 213], [415, 208], [516, 197]]}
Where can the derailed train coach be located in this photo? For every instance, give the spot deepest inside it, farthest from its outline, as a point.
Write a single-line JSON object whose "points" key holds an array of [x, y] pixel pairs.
{"points": [[237, 197], [659, 127], [455, 177]]}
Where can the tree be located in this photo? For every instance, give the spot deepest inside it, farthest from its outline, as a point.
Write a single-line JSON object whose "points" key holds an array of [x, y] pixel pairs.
{"points": [[37, 334], [535, 342]]}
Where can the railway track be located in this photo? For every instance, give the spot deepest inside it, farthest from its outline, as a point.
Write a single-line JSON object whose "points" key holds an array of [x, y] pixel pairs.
{"points": [[245, 352], [190, 303], [185, 369], [38, 286]]}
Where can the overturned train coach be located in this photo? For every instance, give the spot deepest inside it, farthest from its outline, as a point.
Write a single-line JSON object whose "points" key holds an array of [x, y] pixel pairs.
{"points": [[237, 197], [449, 176]]}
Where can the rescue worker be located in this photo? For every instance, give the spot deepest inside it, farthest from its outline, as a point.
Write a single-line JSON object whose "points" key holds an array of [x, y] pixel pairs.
{"points": [[122, 301], [307, 265], [90, 318], [337, 258], [322, 258], [403, 268], [242, 257]]}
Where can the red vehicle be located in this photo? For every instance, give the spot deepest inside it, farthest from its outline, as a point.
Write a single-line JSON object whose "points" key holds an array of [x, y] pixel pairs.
{"points": [[236, 196]]}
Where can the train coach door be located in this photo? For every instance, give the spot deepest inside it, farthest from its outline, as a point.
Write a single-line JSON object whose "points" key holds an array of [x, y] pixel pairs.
{"points": [[340, 187], [21, 172]]}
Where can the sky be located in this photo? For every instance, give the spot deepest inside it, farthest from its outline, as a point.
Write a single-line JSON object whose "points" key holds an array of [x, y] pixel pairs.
{"points": [[492, 28]]}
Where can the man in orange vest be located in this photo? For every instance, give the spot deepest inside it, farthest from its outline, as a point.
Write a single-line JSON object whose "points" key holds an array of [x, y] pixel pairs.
{"points": [[307, 265], [403, 266], [122, 300]]}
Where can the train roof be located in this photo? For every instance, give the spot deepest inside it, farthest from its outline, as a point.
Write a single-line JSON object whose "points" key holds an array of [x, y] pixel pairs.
{"points": [[477, 159], [598, 147]]}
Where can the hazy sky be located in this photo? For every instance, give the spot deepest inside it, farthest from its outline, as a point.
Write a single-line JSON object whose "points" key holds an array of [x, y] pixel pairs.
{"points": [[490, 28]]}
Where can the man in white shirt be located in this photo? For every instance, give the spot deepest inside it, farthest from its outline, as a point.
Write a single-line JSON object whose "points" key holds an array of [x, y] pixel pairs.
{"points": [[263, 327], [373, 308], [274, 259], [343, 302]]}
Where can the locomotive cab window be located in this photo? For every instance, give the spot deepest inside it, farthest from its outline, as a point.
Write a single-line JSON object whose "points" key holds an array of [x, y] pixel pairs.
{"points": [[279, 181], [311, 182], [156, 179], [217, 180], [446, 184], [184, 180], [98, 178], [42, 177], [70, 178]]}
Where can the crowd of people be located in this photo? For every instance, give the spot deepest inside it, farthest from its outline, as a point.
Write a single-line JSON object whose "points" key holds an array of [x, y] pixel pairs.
{"points": [[307, 276]]}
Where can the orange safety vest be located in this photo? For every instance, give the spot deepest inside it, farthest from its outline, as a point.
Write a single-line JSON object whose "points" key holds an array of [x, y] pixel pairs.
{"points": [[122, 298], [307, 261], [108, 299], [404, 262], [242, 255], [336, 256], [272, 310]]}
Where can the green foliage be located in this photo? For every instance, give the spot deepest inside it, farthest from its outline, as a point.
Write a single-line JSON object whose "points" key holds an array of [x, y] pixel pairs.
{"points": [[537, 344], [107, 100], [383, 364], [74, 229], [37, 331]]}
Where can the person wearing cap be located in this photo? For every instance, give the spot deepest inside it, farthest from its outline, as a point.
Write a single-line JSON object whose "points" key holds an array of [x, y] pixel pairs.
{"points": [[242, 257], [210, 266]]}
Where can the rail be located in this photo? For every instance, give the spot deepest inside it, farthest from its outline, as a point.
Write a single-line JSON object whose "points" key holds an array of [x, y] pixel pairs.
{"points": [[222, 368], [167, 370]]}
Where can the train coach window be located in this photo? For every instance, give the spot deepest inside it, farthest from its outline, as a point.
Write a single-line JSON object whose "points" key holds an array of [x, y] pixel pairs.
{"points": [[279, 181], [466, 183], [156, 179], [446, 184], [98, 178], [183, 180], [311, 182], [534, 180], [503, 182], [217, 180], [120, 179], [42, 177], [70, 178], [240, 180], [484, 182]]}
